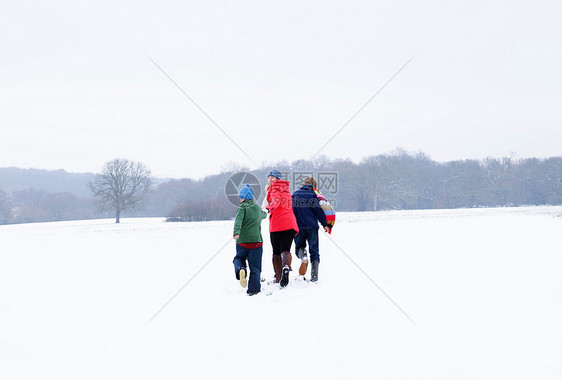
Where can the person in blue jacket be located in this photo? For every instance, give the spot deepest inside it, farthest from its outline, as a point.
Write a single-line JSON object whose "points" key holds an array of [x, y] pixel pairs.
{"points": [[308, 213]]}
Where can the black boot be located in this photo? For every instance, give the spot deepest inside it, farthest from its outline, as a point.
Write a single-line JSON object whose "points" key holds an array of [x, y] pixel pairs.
{"points": [[314, 271]]}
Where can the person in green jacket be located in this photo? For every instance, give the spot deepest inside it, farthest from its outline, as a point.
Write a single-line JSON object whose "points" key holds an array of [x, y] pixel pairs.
{"points": [[249, 243]]}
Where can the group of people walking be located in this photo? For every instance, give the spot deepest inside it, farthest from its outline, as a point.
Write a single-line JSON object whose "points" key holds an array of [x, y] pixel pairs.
{"points": [[291, 218]]}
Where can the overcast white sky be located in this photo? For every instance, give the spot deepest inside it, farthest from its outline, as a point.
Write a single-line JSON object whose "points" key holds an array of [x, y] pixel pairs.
{"points": [[279, 77]]}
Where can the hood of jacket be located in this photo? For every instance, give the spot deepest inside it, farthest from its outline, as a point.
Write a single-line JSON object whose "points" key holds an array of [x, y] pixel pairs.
{"points": [[279, 186]]}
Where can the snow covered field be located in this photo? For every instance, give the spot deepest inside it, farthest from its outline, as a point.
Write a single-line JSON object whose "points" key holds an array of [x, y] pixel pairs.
{"points": [[482, 287]]}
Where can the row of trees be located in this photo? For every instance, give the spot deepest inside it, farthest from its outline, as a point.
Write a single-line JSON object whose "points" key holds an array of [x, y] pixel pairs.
{"points": [[392, 181], [413, 181], [396, 180], [33, 205]]}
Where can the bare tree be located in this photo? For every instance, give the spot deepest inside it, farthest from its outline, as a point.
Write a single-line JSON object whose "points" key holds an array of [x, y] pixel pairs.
{"points": [[123, 185]]}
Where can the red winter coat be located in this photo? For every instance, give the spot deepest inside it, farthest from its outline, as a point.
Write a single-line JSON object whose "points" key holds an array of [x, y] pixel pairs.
{"points": [[280, 206]]}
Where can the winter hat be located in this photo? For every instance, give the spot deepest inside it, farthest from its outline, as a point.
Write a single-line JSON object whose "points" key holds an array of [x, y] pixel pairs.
{"points": [[246, 192], [275, 173], [310, 181]]}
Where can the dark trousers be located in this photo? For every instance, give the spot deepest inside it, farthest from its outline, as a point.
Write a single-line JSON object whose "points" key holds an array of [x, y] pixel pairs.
{"points": [[281, 241], [253, 256], [309, 234]]}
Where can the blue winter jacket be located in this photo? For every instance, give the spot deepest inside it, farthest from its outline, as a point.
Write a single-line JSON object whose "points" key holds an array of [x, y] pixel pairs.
{"points": [[306, 208]]}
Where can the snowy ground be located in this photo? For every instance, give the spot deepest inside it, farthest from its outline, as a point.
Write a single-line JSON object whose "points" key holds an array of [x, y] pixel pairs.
{"points": [[482, 287]]}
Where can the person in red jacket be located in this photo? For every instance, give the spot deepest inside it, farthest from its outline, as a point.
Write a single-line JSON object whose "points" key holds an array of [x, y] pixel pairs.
{"points": [[282, 224]]}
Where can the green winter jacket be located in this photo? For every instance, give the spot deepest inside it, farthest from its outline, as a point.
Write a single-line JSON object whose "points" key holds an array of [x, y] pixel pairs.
{"points": [[248, 222]]}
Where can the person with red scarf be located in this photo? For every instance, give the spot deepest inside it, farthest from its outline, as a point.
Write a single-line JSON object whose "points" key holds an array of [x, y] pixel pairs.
{"points": [[282, 224]]}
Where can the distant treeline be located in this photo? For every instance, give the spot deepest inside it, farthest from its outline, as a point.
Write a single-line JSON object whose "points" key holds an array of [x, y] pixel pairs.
{"points": [[33, 205], [52, 181], [396, 180]]}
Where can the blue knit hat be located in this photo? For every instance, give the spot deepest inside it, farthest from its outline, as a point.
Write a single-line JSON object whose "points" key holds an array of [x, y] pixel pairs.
{"points": [[246, 192], [275, 173]]}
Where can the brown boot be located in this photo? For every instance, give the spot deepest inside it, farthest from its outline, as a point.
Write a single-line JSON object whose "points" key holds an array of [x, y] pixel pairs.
{"points": [[304, 266], [285, 262], [277, 267], [304, 261]]}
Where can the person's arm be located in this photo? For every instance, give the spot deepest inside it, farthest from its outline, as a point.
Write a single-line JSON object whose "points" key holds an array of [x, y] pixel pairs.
{"points": [[320, 215], [274, 201], [264, 204], [240, 213]]}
